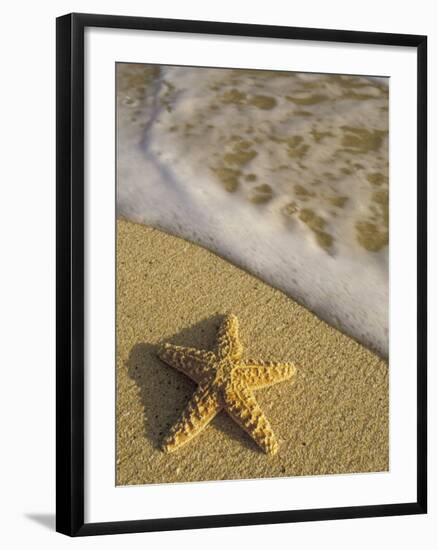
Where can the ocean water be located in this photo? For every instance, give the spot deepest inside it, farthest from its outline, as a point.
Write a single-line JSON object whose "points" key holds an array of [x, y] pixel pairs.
{"points": [[283, 174]]}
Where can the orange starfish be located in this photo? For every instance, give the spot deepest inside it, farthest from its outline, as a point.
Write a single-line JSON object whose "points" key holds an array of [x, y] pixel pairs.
{"points": [[226, 382]]}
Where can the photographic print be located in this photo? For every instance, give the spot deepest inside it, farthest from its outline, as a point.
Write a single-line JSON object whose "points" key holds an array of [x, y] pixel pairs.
{"points": [[252, 274], [236, 280]]}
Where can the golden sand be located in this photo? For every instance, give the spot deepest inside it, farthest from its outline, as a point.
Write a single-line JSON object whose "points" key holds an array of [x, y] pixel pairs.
{"points": [[332, 419]]}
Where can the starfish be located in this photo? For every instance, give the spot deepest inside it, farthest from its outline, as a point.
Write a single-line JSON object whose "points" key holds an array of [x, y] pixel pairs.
{"points": [[225, 382]]}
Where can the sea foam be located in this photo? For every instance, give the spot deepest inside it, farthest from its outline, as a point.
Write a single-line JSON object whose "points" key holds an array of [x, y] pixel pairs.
{"points": [[284, 174]]}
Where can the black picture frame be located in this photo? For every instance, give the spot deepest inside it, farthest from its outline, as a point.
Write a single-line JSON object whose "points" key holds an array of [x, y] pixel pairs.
{"points": [[70, 273]]}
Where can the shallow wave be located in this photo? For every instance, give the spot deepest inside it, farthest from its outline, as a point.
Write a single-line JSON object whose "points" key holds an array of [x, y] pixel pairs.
{"points": [[284, 174]]}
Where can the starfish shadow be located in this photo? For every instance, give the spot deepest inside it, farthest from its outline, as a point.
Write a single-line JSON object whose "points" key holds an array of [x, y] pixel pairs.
{"points": [[164, 392]]}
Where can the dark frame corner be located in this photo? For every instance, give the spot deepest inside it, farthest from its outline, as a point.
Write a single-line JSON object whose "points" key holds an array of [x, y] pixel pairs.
{"points": [[70, 273]]}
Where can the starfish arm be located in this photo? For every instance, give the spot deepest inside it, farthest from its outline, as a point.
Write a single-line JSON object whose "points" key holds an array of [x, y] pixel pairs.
{"points": [[200, 410], [259, 374], [228, 339], [242, 406], [196, 364]]}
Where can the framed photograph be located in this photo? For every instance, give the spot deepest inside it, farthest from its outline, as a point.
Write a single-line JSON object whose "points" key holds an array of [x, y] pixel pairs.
{"points": [[241, 274]]}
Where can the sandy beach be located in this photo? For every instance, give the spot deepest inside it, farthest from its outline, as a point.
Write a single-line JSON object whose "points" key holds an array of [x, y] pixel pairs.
{"points": [[332, 419]]}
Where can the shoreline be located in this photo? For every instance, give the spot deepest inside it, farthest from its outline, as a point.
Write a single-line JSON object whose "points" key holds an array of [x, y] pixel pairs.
{"points": [[372, 349]]}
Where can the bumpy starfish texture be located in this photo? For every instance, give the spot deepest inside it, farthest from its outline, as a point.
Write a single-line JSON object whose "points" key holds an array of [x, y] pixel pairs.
{"points": [[226, 382]]}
